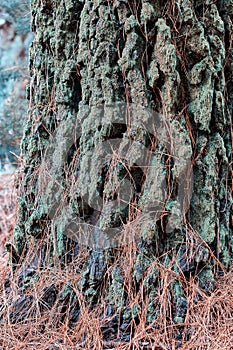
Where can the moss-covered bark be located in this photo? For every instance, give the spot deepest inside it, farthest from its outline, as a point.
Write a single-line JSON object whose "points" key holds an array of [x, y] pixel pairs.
{"points": [[174, 58]]}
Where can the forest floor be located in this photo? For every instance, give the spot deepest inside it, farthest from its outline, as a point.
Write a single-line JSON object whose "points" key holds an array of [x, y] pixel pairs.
{"points": [[208, 324], [7, 212]]}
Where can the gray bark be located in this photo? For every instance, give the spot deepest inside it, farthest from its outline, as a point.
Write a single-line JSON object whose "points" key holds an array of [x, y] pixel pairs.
{"points": [[172, 58]]}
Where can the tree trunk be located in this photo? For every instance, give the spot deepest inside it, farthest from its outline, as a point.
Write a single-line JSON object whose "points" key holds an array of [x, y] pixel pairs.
{"points": [[127, 155]]}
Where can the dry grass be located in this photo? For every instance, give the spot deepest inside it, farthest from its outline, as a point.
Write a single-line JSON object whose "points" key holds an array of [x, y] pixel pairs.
{"points": [[208, 323]]}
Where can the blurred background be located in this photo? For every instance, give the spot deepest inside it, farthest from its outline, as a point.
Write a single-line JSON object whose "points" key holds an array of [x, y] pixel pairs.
{"points": [[15, 39]]}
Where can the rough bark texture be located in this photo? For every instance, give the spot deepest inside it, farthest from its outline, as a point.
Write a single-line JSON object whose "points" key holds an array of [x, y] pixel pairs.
{"points": [[172, 57]]}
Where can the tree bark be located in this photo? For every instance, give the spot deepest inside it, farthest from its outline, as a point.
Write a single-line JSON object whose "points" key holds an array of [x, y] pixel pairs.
{"points": [[173, 59]]}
